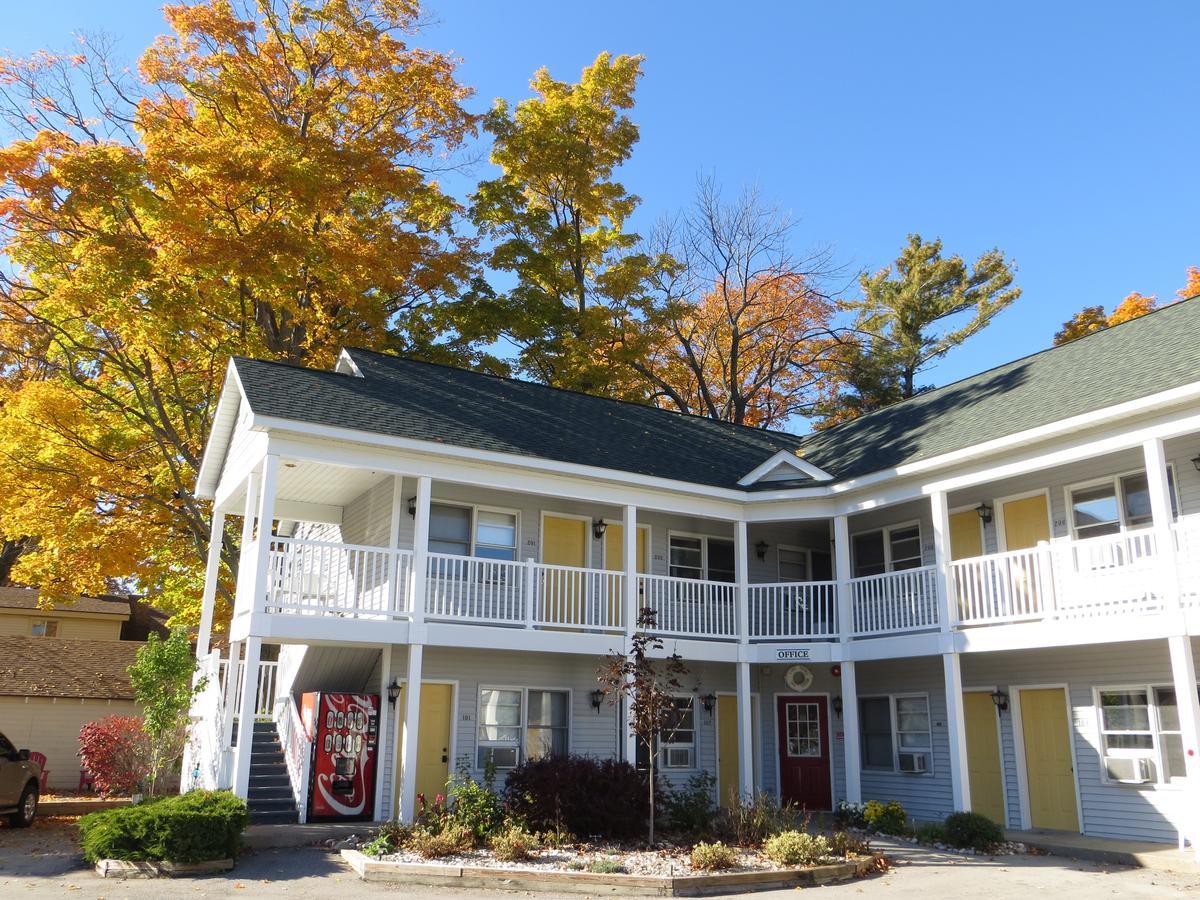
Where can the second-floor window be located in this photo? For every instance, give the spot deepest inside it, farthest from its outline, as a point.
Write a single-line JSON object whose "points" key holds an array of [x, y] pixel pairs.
{"points": [[1110, 505], [888, 549], [471, 531], [700, 556], [44, 628]]}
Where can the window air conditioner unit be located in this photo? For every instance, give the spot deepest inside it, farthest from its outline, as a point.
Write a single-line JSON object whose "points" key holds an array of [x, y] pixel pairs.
{"points": [[1132, 771], [914, 762]]}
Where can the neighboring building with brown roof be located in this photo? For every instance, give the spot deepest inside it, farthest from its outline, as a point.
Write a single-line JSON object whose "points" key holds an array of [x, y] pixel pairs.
{"points": [[76, 670], [94, 618]]}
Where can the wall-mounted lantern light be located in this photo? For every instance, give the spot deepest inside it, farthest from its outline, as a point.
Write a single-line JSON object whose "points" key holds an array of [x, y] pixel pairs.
{"points": [[837, 705], [708, 701], [597, 700], [1196, 462], [985, 513], [761, 549], [393, 692], [412, 506], [1000, 699], [598, 528]]}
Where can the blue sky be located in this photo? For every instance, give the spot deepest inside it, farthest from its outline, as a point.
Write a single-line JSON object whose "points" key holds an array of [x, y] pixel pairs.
{"points": [[1065, 134]]}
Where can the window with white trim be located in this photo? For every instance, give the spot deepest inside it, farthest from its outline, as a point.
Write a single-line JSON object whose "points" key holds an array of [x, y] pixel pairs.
{"points": [[44, 628], [521, 723], [1140, 736], [1114, 504], [701, 557], [889, 549], [678, 739], [472, 531], [896, 733], [792, 564]]}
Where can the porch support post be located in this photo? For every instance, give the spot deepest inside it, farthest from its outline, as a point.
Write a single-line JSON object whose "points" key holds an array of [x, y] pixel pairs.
{"points": [[246, 709], [386, 710], [630, 610], [841, 572], [941, 558], [852, 741], [397, 602], [230, 703], [1183, 674], [409, 741], [266, 516], [741, 572], [420, 571], [212, 573], [241, 600], [956, 733], [1160, 510]]}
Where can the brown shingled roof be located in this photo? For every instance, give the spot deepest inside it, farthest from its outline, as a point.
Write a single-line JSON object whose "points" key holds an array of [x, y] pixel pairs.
{"points": [[50, 667], [27, 598]]}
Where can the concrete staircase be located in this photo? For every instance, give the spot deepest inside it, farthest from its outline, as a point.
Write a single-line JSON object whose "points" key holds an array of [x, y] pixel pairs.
{"points": [[270, 799]]}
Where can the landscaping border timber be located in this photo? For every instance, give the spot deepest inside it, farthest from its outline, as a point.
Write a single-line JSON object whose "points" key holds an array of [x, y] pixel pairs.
{"points": [[437, 875], [121, 868]]}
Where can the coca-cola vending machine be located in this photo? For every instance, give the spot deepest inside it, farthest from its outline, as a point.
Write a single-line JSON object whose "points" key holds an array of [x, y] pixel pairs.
{"points": [[345, 745]]}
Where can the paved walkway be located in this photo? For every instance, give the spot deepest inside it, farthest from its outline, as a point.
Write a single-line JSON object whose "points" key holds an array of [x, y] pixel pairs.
{"points": [[33, 866]]}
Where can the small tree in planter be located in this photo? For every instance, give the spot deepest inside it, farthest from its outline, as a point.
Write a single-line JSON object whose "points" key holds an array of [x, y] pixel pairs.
{"points": [[162, 685], [649, 687], [116, 750]]}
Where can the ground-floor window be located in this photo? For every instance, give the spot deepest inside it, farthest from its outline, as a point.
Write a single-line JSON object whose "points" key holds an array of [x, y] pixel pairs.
{"points": [[896, 733], [677, 741], [1140, 735], [521, 723]]}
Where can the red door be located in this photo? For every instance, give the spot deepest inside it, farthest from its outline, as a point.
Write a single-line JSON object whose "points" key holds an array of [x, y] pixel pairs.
{"points": [[804, 752]]}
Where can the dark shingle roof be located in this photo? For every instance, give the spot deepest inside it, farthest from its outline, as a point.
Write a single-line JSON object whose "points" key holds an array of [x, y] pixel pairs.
{"points": [[27, 598], [411, 399], [406, 398], [1156, 352], [50, 667]]}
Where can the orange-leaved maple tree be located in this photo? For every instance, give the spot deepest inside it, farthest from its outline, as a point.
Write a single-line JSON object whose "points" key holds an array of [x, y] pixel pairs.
{"points": [[261, 185]]}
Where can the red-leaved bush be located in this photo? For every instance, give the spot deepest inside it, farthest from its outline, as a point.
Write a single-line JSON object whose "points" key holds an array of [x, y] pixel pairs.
{"points": [[116, 750]]}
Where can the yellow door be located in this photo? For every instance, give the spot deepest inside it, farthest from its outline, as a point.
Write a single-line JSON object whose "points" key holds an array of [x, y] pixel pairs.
{"points": [[966, 538], [433, 741], [1050, 773], [983, 757], [564, 543], [1026, 522], [614, 561], [727, 746]]}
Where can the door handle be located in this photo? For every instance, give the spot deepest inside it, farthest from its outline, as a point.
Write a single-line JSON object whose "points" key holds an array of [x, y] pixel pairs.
{"points": [[445, 755]]}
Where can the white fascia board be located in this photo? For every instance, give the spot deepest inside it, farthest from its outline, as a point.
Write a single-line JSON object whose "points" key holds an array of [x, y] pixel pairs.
{"points": [[212, 461], [1069, 633], [784, 458], [407, 456], [302, 511], [233, 476], [897, 647]]}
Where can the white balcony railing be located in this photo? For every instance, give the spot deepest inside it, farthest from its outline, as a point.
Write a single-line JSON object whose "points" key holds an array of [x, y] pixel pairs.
{"points": [[690, 607], [1003, 587], [804, 610], [588, 598], [346, 580], [895, 602], [470, 588]]}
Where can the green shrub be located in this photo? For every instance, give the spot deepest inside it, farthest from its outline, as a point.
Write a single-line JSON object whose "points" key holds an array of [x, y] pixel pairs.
{"points": [[513, 844], [475, 806], [886, 818], [713, 857], [931, 833], [849, 815], [689, 809], [192, 827], [585, 796], [843, 843], [452, 840], [556, 838], [392, 836], [606, 867], [796, 848], [967, 829], [748, 824]]}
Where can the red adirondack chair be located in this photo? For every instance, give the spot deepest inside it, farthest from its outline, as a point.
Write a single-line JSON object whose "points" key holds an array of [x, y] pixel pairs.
{"points": [[40, 759]]}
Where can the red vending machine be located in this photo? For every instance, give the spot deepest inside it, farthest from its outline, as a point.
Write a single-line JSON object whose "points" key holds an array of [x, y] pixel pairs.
{"points": [[345, 746]]}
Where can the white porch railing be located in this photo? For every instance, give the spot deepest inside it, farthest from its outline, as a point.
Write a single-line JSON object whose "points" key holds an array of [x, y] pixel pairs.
{"points": [[804, 610], [204, 753], [587, 598], [469, 588], [1003, 587], [297, 750], [345, 580], [264, 698], [690, 607], [895, 602]]}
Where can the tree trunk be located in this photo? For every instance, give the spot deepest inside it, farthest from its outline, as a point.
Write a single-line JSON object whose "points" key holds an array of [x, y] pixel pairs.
{"points": [[651, 745]]}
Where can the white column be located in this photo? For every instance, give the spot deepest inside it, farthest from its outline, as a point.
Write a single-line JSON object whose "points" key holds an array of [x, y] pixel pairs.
{"points": [[382, 756], [396, 598], [852, 742], [420, 570], [266, 516], [956, 733], [741, 573], [746, 784], [1160, 509], [231, 678], [212, 574], [632, 607], [941, 558], [409, 741], [1183, 674], [242, 600], [246, 708], [841, 572]]}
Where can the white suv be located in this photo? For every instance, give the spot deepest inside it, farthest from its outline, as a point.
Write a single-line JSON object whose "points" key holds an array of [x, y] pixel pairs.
{"points": [[18, 784]]}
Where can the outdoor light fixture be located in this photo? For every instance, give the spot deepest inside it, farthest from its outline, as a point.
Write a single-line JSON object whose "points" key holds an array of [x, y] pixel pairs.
{"points": [[708, 701], [412, 506], [985, 513], [1000, 699], [597, 700], [761, 549], [598, 528], [837, 705], [393, 692], [1196, 462]]}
